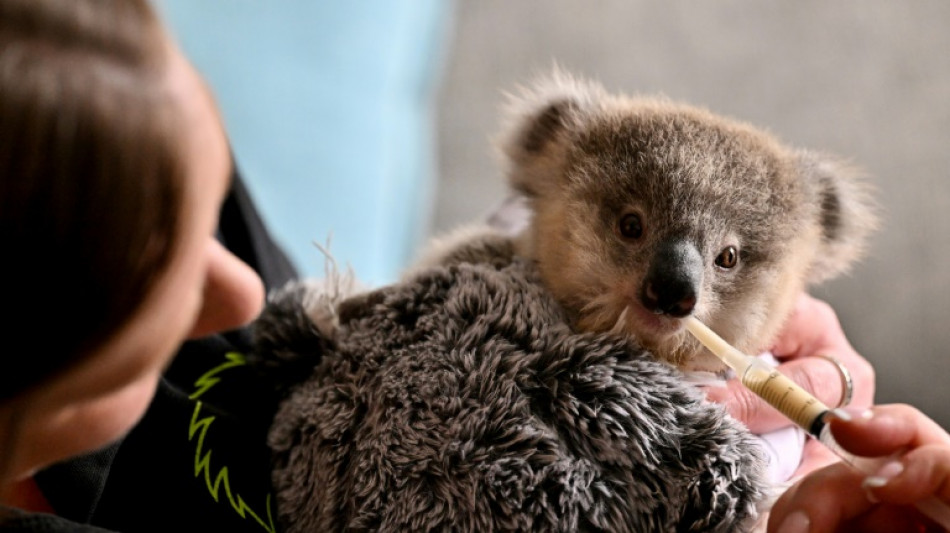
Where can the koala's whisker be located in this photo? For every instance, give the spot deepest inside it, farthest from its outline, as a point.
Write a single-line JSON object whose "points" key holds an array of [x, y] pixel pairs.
{"points": [[620, 326], [596, 303]]}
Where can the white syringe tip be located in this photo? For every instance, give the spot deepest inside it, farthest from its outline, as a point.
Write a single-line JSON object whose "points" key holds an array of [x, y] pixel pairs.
{"points": [[737, 360]]}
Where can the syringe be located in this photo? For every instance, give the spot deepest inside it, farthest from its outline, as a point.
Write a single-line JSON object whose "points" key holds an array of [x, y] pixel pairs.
{"points": [[798, 405]]}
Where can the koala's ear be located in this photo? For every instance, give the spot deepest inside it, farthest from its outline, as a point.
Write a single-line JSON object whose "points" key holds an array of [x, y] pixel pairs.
{"points": [[541, 121], [546, 124], [846, 212]]}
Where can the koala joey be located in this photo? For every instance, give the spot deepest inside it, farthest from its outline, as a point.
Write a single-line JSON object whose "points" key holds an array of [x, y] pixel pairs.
{"points": [[645, 211]]}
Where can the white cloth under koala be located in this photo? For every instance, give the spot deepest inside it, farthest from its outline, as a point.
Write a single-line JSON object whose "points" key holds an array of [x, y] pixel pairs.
{"points": [[784, 448]]}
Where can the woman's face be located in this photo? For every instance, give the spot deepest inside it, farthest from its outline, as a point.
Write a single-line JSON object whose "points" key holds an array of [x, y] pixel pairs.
{"points": [[204, 289]]}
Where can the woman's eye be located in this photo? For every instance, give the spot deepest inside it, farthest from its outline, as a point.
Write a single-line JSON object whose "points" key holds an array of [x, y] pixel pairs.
{"points": [[728, 258], [630, 226]]}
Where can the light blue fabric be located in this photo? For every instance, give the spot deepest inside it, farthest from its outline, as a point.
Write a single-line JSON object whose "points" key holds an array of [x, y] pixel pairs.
{"points": [[329, 106]]}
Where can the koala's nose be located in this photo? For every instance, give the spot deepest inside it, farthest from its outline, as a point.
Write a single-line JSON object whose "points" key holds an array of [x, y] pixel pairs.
{"points": [[676, 299], [673, 279]]}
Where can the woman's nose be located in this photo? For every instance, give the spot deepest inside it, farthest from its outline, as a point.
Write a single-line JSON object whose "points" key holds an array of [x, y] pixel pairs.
{"points": [[233, 293]]}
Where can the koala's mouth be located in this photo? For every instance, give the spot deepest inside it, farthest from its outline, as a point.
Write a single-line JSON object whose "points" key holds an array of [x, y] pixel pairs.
{"points": [[665, 336], [652, 325]]}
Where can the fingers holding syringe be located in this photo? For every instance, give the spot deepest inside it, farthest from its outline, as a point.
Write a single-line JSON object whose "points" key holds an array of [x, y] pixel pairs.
{"points": [[823, 501], [919, 447], [885, 429], [841, 498], [921, 473], [831, 499]]}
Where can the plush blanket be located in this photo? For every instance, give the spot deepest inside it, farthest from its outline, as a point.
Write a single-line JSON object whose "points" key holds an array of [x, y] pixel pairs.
{"points": [[460, 400]]}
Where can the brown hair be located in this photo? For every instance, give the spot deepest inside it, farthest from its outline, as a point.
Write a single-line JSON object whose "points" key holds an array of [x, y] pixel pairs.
{"points": [[91, 176]]}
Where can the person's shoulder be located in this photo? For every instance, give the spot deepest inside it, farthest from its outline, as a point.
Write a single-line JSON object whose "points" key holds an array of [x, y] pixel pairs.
{"points": [[16, 521]]}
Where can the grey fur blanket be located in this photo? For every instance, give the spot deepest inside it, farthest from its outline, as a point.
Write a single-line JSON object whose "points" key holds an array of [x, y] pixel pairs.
{"points": [[460, 400]]}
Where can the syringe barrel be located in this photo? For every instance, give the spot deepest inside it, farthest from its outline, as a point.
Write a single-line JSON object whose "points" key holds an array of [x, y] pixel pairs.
{"points": [[785, 395]]}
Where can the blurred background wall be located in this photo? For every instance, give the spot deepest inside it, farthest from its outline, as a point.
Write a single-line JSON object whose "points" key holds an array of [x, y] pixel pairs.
{"points": [[868, 80], [373, 121], [329, 106]]}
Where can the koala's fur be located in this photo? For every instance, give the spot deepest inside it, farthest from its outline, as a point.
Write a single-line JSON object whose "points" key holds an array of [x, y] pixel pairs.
{"points": [[699, 183]]}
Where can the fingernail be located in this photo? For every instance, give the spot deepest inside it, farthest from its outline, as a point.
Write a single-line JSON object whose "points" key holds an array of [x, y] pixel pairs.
{"points": [[848, 414], [840, 414], [797, 522], [883, 476]]}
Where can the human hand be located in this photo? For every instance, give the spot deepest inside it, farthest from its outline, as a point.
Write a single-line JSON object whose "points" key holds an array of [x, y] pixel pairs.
{"points": [[811, 330], [839, 498]]}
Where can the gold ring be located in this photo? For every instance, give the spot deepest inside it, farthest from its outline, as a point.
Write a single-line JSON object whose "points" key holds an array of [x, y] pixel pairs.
{"points": [[847, 383]]}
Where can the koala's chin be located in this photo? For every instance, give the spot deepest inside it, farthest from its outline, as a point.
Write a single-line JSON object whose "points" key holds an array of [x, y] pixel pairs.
{"points": [[677, 348]]}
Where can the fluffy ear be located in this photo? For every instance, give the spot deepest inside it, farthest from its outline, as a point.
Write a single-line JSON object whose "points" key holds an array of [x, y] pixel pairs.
{"points": [[846, 212], [541, 120]]}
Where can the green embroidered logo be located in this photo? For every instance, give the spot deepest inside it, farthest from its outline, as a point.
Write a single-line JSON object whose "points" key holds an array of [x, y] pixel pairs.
{"points": [[203, 460]]}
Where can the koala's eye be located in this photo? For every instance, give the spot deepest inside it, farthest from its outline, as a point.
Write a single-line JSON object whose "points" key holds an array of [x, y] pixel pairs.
{"points": [[630, 226], [728, 258]]}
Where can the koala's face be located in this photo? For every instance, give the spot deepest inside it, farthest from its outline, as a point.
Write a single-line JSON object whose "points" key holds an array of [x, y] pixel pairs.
{"points": [[646, 213]]}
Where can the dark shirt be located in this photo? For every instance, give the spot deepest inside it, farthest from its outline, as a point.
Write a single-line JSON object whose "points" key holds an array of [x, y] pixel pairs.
{"points": [[197, 461]]}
